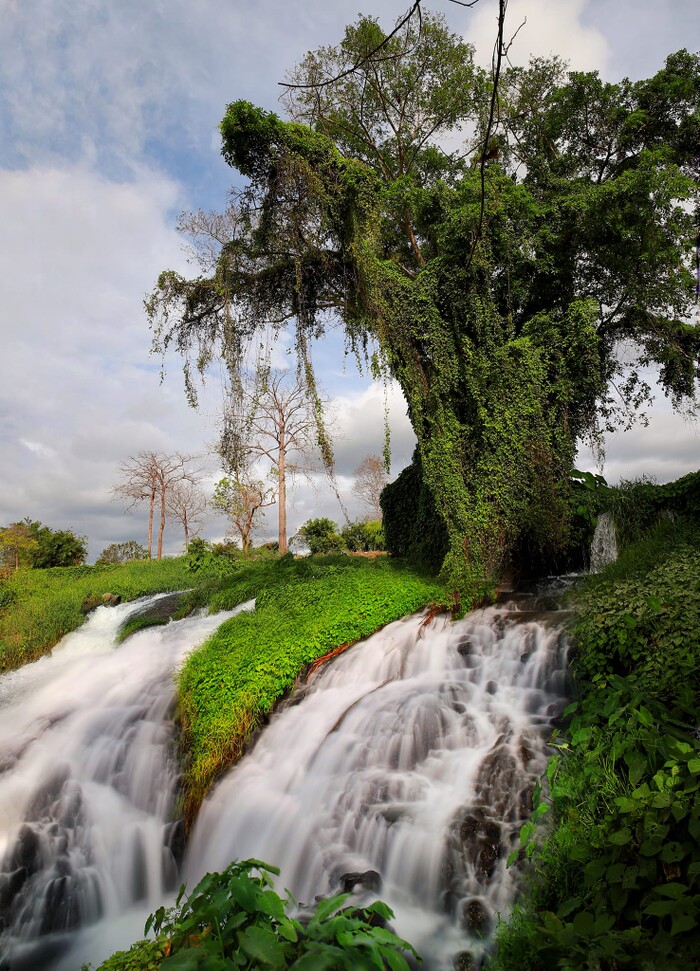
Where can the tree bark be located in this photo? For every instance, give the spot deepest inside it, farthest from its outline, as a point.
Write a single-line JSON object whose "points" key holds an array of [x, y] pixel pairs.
{"points": [[282, 497], [150, 523]]}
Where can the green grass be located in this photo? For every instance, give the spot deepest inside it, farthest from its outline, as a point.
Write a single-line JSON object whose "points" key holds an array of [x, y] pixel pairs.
{"points": [[304, 609], [37, 607]]}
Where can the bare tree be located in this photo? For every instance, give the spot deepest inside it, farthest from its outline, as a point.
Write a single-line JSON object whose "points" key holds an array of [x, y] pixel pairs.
{"points": [[272, 418], [242, 497], [370, 479], [186, 501], [149, 476]]}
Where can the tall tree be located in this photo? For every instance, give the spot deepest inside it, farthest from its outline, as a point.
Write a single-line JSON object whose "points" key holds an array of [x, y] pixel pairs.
{"points": [[501, 284], [272, 418], [370, 479], [186, 501], [151, 476]]}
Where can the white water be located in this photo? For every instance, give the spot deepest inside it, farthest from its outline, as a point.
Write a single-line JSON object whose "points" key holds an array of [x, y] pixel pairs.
{"points": [[88, 785], [604, 543], [412, 756]]}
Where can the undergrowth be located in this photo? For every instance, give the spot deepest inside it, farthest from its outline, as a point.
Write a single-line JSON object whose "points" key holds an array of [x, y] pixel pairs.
{"points": [[305, 608], [235, 919], [37, 607], [616, 883]]}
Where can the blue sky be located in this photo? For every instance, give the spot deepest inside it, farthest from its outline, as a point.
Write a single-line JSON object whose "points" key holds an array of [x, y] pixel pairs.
{"points": [[108, 129]]}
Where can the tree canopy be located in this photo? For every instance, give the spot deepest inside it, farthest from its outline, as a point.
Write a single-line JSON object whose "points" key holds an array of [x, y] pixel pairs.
{"points": [[517, 294]]}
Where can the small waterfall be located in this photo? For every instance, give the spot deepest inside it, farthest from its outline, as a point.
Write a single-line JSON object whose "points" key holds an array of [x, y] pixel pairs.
{"points": [[604, 543], [88, 786], [404, 770]]}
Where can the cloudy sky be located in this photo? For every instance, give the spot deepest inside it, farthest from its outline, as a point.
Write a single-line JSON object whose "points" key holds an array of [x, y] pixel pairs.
{"points": [[108, 130]]}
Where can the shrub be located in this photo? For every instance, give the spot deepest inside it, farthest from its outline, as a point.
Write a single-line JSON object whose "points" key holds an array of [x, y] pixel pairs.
{"points": [[321, 536], [235, 919], [412, 524], [364, 536]]}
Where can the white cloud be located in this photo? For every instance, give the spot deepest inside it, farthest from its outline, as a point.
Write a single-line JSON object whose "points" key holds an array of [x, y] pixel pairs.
{"points": [[551, 27]]}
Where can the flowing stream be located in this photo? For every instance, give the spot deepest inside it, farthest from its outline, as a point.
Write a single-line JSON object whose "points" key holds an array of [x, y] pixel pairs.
{"points": [[403, 770], [88, 785]]}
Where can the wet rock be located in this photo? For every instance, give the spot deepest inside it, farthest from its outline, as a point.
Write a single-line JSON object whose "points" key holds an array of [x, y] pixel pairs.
{"points": [[496, 780], [464, 961], [465, 646], [95, 600], [491, 687], [369, 879], [475, 918]]}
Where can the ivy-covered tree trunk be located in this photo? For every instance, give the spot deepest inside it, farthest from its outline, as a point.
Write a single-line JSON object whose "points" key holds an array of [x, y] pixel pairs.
{"points": [[498, 283]]}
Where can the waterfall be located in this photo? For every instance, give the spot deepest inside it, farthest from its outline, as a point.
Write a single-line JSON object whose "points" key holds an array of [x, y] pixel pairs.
{"points": [[604, 543], [403, 770], [88, 786]]}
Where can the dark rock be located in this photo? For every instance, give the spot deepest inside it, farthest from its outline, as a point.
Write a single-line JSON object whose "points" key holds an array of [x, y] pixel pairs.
{"points": [[369, 879], [475, 918], [464, 961]]}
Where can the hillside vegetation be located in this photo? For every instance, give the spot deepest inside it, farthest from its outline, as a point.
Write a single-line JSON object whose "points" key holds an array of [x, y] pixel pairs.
{"points": [[616, 883]]}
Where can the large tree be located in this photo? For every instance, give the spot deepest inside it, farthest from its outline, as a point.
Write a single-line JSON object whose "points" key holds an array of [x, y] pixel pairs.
{"points": [[516, 289]]}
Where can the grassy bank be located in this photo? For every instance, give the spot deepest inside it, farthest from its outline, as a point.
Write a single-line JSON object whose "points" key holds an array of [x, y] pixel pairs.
{"points": [[616, 883], [304, 609], [37, 607]]}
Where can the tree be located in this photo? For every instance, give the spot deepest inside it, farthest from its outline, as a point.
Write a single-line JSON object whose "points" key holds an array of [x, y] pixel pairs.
{"points": [[370, 479], [17, 544], [57, 547], [186, 501], [501, 284], [321, 536], [271, 417], [241, 497], [153, 475], [122, 553]]}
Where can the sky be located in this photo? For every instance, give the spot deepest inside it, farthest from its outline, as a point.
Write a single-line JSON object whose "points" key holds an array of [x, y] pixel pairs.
{"points": [[108, 130]]}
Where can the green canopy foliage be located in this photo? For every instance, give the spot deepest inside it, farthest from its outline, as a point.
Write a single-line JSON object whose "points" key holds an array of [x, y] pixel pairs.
{"points": [[503, 316]]}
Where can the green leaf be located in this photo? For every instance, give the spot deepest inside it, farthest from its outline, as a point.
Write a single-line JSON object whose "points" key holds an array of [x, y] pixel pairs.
{"points": [[263, 946], [620, 837]]}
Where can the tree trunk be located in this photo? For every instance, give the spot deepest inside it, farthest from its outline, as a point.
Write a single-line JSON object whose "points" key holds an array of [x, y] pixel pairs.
{"points": [[187, 532], [150, 523], [161, 528], [282, 498]]}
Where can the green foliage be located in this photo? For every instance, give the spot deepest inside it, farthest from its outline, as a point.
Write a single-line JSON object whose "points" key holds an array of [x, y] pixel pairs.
{"points": [[499, 294], [617, 882], [304, 609], [412, 526], [40, 606], [321, 536], [235, 919], [55, 547], [122, 553], [364, 536]]}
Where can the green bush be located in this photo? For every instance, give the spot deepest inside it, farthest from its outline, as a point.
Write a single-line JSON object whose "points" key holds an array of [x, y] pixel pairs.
{"points": [[364, 536], [235, 919], [321, 536]]}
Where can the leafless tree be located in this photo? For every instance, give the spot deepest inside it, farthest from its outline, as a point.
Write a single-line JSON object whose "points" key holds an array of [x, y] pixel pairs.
{"points": [[370, 479], [149, 476], [186, 501], [272, 418]]}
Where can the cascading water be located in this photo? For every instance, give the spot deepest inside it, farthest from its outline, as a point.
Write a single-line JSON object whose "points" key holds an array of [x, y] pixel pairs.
{"points": [[88, 785], [404, 769], [604, 543]]}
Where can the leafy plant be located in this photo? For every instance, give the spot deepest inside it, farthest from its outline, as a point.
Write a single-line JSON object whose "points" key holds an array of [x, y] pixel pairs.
{"points": [[235, 919]]}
